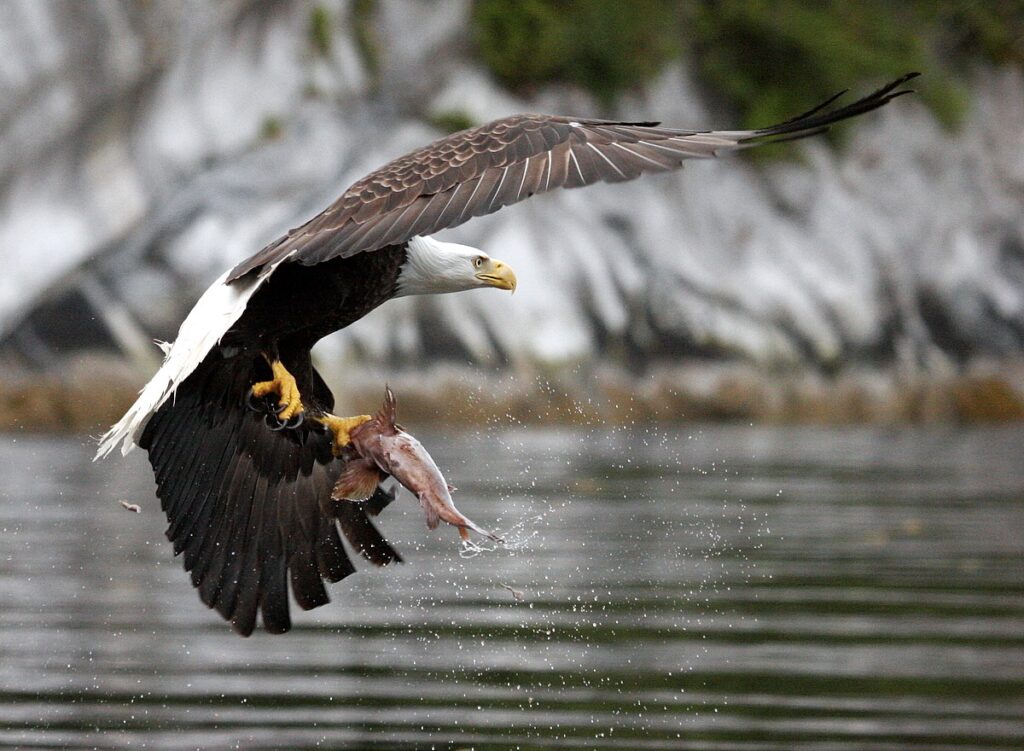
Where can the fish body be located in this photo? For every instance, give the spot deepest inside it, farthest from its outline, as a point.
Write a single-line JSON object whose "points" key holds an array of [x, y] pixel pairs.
{"points": [[385, 448]]}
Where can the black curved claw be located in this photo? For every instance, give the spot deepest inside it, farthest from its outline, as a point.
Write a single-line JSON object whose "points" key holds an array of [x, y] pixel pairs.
{"points": [[279, 408], [276, 424], [253, 402]]}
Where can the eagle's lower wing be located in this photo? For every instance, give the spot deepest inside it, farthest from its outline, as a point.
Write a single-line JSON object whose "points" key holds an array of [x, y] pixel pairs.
{"points": [[245, 504], [477, 171]]}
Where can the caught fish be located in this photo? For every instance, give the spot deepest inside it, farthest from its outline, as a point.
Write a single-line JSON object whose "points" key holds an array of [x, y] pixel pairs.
{"points": [[384, 448]]}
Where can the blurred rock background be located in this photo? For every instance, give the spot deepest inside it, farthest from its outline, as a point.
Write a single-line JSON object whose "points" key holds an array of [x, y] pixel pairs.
{"points": [[876, 275]]}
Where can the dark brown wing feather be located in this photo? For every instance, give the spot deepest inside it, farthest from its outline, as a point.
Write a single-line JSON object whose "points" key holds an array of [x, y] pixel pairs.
{"points": [[478, 171], [249, 508]]}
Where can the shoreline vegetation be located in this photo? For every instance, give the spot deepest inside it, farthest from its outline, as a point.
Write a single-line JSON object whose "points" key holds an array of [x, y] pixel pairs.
{"points": [[762, 60], [92, 392]]}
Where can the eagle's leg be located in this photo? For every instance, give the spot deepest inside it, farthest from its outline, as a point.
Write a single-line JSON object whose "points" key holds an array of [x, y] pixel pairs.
{"points": [[340, 428], [289, 402]]}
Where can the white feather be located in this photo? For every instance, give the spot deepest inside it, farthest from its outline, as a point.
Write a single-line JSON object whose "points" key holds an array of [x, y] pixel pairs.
{"points": [[215, 312], [434, 267]]}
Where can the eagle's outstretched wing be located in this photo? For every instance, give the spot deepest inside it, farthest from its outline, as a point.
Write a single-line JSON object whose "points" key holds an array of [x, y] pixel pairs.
{"points": [[477, 171]]}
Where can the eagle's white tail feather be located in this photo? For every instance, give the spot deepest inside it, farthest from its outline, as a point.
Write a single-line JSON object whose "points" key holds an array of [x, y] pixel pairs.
{"points": [[215, 312]]}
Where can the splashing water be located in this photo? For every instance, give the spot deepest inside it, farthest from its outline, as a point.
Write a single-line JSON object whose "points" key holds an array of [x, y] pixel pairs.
{"points": [[660, 612], [517, 538]]}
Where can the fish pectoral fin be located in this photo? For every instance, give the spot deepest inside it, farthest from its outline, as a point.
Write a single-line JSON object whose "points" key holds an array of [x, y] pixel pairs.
{"points": [[358, 481]]}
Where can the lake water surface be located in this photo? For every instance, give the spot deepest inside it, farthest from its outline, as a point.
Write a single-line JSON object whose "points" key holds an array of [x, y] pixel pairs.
{"points": [[717, 588]]}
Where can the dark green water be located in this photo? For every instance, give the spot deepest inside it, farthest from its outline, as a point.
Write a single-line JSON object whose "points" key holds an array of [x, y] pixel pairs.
{"points": [[724, 588]]}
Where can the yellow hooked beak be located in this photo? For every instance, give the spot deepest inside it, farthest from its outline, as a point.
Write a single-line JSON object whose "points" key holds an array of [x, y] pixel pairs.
{"points": [[494, 273]]}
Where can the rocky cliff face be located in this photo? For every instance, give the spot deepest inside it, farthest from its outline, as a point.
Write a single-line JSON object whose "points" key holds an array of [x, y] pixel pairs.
{"points": [[145, 147]]}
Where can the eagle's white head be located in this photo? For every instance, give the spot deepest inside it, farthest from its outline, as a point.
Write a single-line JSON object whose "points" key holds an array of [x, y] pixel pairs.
{"points": [[433, 267]]}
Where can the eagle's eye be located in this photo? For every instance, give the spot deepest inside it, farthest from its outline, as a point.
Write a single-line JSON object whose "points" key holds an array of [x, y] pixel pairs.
{"points": [[478, 261]]}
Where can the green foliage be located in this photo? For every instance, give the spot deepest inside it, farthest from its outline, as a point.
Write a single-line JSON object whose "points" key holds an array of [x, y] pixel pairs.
{"points": [[362, 16], [320, 30], [594, 43], [992, 30], [768, 59], [773, 59], [451, 121], [271, 128]]}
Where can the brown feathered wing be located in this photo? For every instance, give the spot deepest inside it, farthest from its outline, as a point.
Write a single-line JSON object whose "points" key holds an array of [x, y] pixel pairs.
{"points": [[478, 171]]}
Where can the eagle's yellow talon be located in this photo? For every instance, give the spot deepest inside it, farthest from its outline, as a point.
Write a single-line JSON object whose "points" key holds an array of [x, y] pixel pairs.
{"points": [[283, 384], [342, 427]]}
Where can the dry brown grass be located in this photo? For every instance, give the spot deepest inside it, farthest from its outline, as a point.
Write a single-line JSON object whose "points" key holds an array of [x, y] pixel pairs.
{"points": [[89, 394]]}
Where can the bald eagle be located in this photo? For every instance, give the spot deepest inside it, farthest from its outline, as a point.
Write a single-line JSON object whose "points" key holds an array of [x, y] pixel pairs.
{"points": [[237, 422]]}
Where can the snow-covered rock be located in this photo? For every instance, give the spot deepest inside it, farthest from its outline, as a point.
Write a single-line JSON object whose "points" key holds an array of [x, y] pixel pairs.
{"points": [[144, 148]]}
